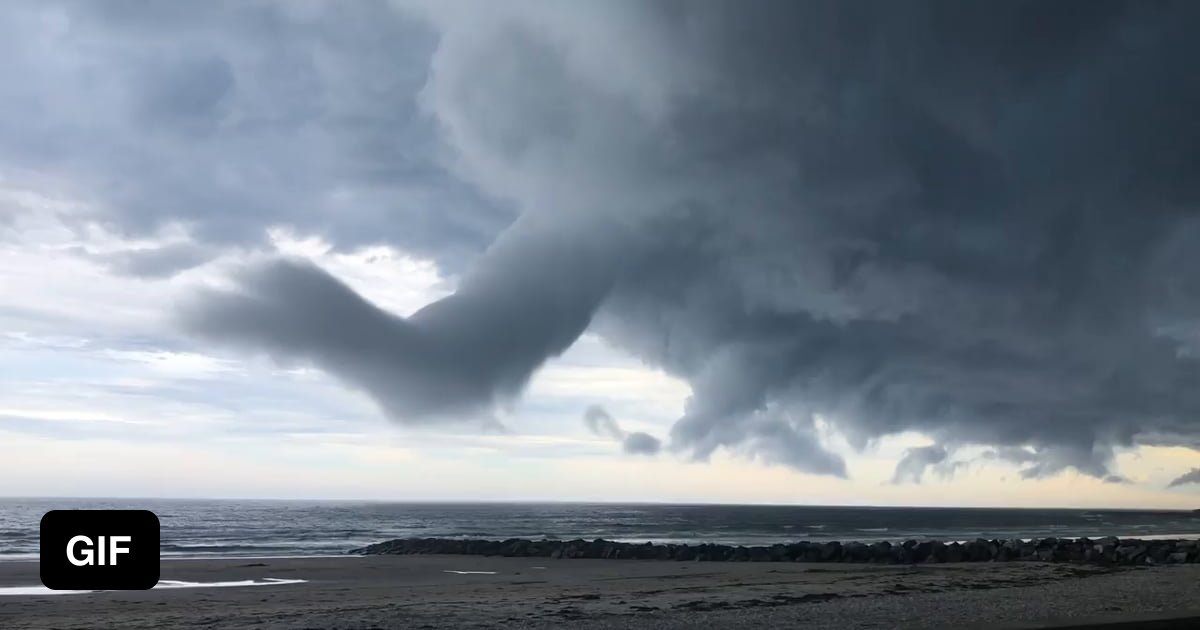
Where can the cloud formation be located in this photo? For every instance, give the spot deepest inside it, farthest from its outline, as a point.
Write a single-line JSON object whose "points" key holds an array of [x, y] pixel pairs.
{"points": [[601, 423], [911, 468], [153, 262], [976, 221], [462, 355], [230, 118], [639, 443], [1192, 476]]}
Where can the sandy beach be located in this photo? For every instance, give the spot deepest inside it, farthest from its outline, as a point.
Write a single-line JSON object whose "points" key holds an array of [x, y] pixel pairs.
{"points": [[481, 592]]}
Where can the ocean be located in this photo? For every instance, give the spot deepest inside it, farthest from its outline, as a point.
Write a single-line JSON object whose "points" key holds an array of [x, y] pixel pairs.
{"points": [[207, 528]]}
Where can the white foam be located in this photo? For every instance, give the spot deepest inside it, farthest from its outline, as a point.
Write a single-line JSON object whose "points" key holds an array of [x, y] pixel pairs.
{"points": [[471, 572], [35, 590], [263, 582], [163, 584]]}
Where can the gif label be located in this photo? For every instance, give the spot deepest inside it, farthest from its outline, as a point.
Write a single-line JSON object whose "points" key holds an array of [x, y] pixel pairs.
{"points": [[89, 550]]}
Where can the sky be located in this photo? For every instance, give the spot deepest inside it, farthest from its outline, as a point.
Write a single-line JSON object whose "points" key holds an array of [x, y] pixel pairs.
{"points": [[867, 253]]}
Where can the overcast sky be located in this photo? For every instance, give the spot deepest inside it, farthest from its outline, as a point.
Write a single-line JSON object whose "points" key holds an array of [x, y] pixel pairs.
{"points": [[798, 252]]}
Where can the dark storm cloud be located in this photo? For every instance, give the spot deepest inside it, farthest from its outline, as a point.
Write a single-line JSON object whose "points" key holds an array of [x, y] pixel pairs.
{"points": [[458, 356], [973, 220], [1192, 476]]}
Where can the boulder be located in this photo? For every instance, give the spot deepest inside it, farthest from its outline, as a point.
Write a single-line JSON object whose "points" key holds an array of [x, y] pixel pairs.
{"points": [[937, 552], [1131, 554], [881, 552], [977, 551], [1158, 553], [921, 552], [855, 552]]}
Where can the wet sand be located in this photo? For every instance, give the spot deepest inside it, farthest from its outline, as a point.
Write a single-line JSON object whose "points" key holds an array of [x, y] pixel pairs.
{"points": [[444, 592]]}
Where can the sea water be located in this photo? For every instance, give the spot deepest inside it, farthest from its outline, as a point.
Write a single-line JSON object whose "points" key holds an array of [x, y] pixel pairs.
{"points": [[225, 528]]}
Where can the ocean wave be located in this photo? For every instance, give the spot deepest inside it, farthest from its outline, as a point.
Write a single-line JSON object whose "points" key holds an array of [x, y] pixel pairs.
{"points": [[274, 529], [218, 548]]}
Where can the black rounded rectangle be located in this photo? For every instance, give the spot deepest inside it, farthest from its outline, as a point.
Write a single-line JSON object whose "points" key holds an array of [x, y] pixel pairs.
{"points": [[99, 549]]}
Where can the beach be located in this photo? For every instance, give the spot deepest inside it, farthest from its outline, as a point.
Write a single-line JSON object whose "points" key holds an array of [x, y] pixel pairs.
{"points": [[432, 591]]}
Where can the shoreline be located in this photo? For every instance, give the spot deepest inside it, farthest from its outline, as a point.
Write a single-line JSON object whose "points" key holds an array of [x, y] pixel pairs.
{"points": [[450, 545], [440, 591]]}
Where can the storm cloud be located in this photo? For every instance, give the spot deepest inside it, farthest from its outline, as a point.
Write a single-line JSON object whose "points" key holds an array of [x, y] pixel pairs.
{"points": [[977, 221]]}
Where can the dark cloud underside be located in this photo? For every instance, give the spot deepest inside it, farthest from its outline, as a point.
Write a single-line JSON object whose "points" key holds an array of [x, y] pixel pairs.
{"points": [[974, 220]]}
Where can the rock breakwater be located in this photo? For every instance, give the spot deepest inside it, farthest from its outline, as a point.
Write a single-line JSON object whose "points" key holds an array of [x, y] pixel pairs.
{"points": [[1104, 551]]}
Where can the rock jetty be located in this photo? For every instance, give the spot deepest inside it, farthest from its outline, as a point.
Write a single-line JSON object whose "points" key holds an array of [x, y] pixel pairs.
{"points": [[1104, 551]]}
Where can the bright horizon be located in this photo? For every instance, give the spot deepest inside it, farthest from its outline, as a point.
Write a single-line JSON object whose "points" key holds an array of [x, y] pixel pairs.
{"points": [[570, 502]]}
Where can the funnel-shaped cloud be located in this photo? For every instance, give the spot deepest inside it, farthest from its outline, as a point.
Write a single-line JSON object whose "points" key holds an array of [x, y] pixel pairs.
{"points": [[912, 467], [457, 356], [1192, 476], [601, 423], [974, 222]]}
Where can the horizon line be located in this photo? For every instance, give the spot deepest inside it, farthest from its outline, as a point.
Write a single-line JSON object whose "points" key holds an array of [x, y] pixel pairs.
{"points": [[528, 501]]}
